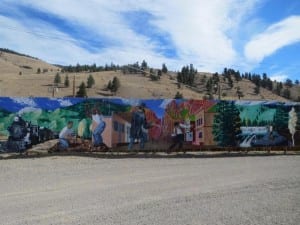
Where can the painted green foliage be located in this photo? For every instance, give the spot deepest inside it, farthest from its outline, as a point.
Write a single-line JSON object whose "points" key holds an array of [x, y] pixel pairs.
{"points": [[226, 124], [55, 120]]}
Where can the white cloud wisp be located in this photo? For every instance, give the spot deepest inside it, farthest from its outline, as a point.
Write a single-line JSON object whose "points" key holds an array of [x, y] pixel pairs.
{"points": [[275, 37], [199, 32]]}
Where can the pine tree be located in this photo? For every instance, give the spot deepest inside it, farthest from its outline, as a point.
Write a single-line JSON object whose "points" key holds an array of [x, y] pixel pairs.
{"points": [[280, 118], [269, 84], [227, 123], [256, 90], [278, 88], [67, 81], [209, 85], [115, 84], [109, 85], [82, 90], [289, 83], [151, 71], [178, 95], [154, 77], [187, 75], [90, 81], [239, 92], [144, 65], [159, 73], [164, 68], [286, 93], [57, 79]]}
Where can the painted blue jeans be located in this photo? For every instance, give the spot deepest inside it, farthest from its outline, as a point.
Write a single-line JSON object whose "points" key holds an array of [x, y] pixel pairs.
{"points": [[97, 134], [142, 143], [63, 144]]}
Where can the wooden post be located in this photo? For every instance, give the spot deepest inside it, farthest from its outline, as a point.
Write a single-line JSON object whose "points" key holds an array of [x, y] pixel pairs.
{"points": [[53, 90], [74, 86]]}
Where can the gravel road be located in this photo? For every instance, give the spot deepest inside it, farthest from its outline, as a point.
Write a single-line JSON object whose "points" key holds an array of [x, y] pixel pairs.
{"points": [[175, 191]]}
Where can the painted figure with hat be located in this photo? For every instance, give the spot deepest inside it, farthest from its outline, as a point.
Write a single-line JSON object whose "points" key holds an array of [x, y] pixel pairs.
{"points": [[138, 126]]}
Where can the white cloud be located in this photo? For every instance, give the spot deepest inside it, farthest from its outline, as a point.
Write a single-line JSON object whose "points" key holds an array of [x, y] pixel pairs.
{"points": [[28, 102], [29, 110], [131, 101], [275, 37], [279, 77], [199, 29], [64, 103]]}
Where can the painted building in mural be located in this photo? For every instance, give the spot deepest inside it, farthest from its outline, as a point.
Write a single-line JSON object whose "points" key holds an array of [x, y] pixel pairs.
{"points": [[209, 122]]}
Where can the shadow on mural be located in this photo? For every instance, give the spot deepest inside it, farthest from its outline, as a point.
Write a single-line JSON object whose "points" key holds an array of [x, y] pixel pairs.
{"points": [[165, 122]]}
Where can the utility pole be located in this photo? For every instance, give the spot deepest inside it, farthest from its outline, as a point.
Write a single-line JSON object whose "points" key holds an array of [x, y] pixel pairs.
{"points": [[217, 89], [74, 86], [53, 87]]}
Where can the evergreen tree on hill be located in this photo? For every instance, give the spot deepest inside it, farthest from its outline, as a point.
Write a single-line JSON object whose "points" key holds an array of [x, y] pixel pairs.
{"points": [[286, 93], [289, 83], [57, 79], [187, 75], [67, 82], [164, 68], [116, 84], [144, 65], [109, 85], [178, 95], [82, 90], [90, 81]]}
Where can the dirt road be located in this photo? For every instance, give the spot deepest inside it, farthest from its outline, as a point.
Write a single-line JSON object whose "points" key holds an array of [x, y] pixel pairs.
{"points": [[74, 190]]}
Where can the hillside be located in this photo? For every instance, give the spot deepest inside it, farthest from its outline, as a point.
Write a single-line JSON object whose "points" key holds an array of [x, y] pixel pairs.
{"points": [[19, 77]]}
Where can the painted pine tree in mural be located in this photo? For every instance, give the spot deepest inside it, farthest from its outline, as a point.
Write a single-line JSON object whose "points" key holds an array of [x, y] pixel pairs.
{"points": [[281, 118], [227, 123]]}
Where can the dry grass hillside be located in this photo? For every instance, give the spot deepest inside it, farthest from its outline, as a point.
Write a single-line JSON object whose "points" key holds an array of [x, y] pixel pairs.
{"points": [[19, 77], [14, 64]]}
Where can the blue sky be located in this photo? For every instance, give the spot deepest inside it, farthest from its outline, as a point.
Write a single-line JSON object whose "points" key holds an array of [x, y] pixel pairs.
{"points": [[247, 35]]}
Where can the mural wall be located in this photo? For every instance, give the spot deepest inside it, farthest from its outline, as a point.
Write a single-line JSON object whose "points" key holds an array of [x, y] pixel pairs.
{"points": [[201, 122]]}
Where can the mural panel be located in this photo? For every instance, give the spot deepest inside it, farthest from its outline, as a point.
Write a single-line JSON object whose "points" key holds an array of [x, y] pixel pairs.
{"points": [[142, 123]]}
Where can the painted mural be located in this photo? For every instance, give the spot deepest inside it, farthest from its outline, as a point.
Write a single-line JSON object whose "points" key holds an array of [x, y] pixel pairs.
{"points": [[162, 122]]}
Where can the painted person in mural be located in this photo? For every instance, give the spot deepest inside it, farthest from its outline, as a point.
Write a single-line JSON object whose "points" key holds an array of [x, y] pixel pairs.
{"points": [[139, 127], [146, 126], [66, 136], [178, 136], [98, 127]]}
